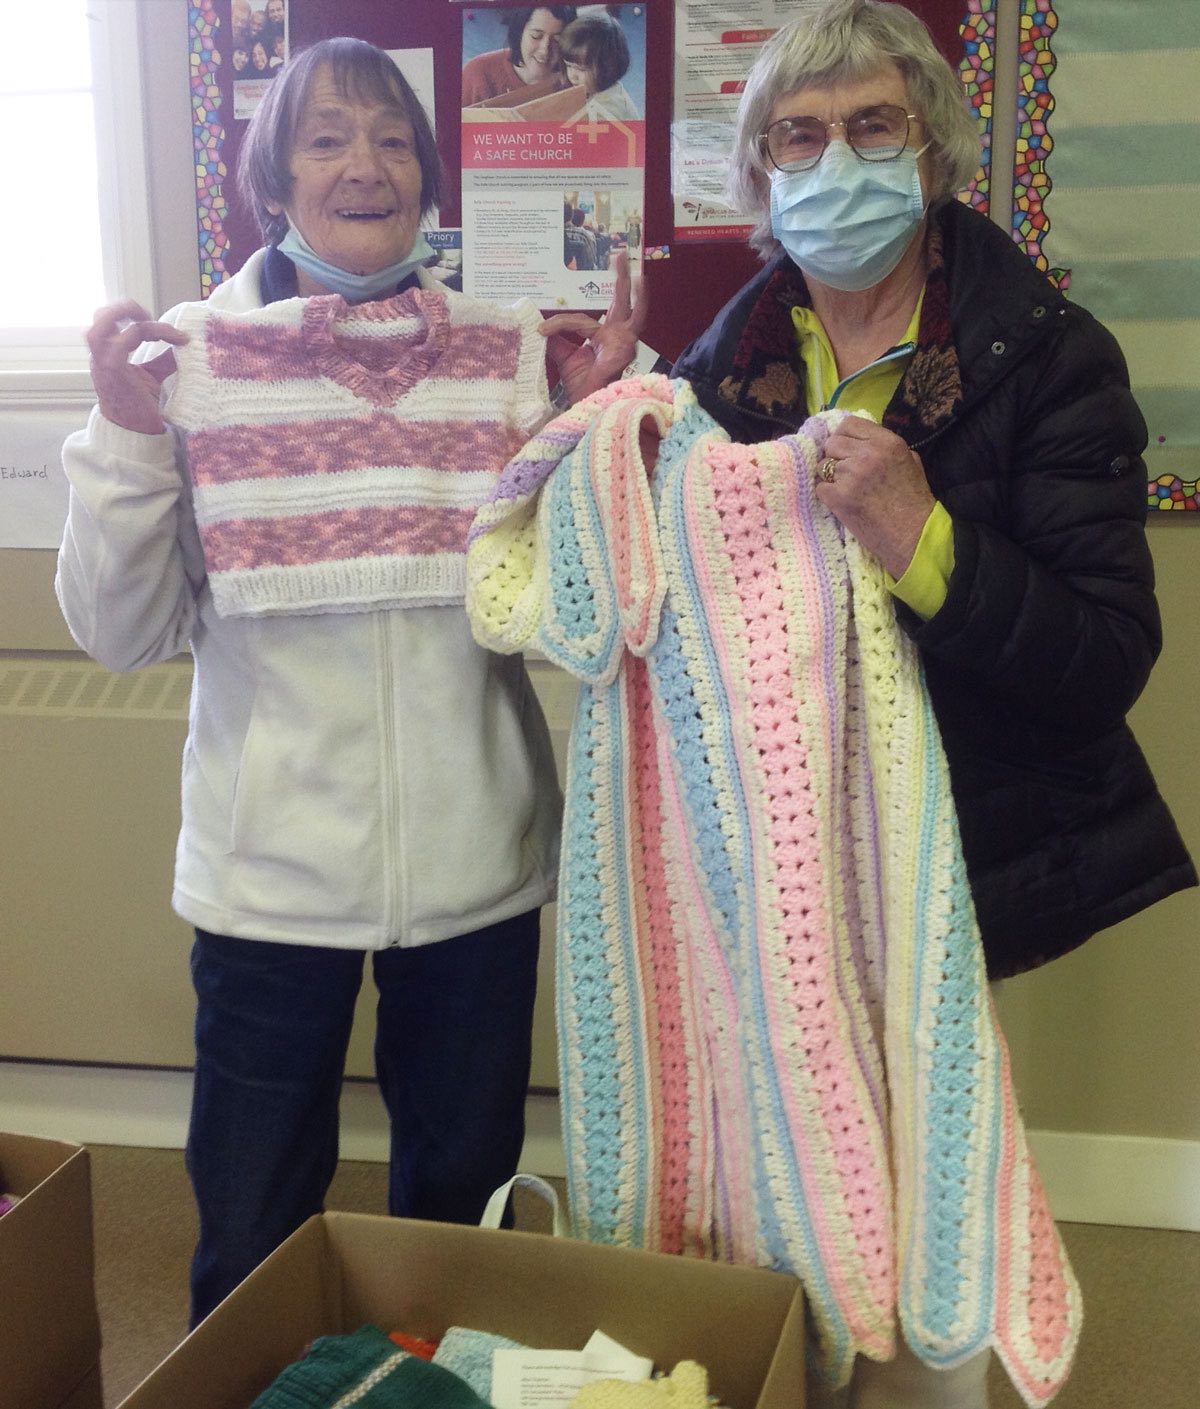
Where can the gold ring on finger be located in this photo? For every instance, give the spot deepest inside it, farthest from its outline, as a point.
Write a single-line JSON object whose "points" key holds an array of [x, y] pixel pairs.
{"points": [[827, 470]]}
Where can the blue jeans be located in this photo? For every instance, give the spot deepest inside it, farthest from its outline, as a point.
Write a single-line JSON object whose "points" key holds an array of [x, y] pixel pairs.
{"points": [[452, 1052]]}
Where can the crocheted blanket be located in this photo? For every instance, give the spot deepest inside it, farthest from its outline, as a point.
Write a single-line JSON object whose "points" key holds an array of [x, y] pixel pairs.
{"points": [[775, 1033], [338, 454]]}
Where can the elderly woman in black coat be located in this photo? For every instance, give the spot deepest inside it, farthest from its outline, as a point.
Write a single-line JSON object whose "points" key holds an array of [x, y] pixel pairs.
{"points": [[998, 480]]}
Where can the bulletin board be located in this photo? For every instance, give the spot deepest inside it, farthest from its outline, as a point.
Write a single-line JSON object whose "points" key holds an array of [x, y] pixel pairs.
{"points": [[228, 235]]}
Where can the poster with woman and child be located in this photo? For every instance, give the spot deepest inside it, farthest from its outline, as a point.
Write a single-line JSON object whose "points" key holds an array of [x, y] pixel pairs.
{"points": [[553, 149]]}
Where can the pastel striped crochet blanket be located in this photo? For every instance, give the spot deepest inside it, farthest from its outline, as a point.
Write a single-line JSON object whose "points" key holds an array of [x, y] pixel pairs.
{"points": [[338, 454], [775, 1033]]}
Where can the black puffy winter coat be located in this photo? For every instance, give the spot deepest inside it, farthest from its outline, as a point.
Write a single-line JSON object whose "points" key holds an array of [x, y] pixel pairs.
{"points": [[1018, 404]]}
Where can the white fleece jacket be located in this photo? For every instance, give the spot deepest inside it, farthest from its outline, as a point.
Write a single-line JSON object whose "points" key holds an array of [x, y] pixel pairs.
{"points": [[358, 780]]}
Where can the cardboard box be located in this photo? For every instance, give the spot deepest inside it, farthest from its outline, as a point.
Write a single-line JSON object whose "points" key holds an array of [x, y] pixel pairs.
{"points": [[49, 1328], [342, 1270]]}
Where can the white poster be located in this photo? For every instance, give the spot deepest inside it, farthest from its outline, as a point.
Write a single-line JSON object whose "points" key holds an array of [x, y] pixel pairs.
{"points": [[716, 43], [417, 67]]}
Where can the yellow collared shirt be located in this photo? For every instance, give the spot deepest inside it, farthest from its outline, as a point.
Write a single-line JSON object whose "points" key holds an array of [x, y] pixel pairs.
{"points": [[923, 584]]}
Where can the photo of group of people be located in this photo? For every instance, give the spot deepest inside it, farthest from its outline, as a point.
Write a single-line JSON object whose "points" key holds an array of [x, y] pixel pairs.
{"points": [[598, 225], [257, 46], [554, 63]]}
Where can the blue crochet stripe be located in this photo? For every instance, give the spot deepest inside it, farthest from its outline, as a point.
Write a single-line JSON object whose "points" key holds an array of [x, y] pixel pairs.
{"points": [[630, 982], [587, 969], [581, 895], [952, 1111], [576, 610], [688, 752]]}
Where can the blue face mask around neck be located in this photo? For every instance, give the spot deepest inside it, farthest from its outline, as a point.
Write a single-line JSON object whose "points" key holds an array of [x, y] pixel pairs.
{"points": [[354, 288], [846, 222]]}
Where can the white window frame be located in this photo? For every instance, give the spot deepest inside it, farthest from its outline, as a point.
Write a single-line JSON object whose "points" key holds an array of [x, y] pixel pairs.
{"points": [[39, 362]]}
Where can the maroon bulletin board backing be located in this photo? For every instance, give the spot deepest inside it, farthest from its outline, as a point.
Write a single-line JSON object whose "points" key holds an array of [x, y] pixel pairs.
{"points": [[686, 290]]}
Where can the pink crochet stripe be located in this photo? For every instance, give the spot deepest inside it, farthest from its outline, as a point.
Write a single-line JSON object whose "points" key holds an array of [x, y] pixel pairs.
{"points": [[1049, 1334], [228, 454], [640, 908], [812, 1002], [715, 1011], [797, 492], [727, 1063], [336, 534], [664, 982], [1049, 1320], [241, 352]]}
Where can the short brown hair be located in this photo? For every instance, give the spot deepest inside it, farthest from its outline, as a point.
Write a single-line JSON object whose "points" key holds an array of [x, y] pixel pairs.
{"points": [[361, 73], [597, 42]]}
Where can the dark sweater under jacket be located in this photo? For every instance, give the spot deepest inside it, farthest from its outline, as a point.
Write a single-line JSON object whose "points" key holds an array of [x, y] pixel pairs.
{"points": [[1018, 404]]}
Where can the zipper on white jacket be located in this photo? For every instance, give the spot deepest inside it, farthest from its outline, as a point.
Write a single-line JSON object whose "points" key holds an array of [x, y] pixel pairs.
{"points": [[391, 787]]}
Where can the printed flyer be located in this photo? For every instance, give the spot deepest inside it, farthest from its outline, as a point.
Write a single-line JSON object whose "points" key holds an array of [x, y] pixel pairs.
{"points": [[553, 150], [716, 43], [258, 49]]}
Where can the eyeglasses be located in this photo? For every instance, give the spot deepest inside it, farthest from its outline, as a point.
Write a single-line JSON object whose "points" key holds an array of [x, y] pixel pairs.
{"points": [[878, 133]]}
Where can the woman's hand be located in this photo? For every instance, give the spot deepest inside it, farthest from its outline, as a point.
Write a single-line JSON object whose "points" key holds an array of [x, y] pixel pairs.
{"points": [[879, 492], [128, 392], [608, 346]]}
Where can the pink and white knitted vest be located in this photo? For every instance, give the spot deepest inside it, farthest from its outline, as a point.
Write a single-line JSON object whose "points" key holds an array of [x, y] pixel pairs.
{"points": [[338, 454]]}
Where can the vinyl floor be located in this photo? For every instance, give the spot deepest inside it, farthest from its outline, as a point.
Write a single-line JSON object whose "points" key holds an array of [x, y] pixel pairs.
{"points": [[1140, 1347]]}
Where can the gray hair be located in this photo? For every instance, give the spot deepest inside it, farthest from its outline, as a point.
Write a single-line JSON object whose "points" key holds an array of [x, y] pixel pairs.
{"points": [[850, 39], [360, 72]]}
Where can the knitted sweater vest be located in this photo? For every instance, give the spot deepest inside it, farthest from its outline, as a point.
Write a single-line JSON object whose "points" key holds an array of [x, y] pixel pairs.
{"points": [[338, 454], [775, 1032]]}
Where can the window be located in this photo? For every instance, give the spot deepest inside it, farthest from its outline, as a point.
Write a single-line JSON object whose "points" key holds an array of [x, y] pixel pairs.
{"points": [[77, 231]]}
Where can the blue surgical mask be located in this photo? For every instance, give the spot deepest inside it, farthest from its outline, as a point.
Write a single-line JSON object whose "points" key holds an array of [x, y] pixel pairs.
{"points": [[354, 288], [846, 222]]}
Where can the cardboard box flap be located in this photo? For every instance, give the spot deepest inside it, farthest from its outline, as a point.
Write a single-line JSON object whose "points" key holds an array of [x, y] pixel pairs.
{"points": [[49, 1328], [790, 1361], [256, 1332], [27, 1161]]}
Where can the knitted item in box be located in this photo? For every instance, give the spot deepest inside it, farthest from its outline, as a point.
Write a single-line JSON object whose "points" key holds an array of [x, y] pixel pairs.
{"points": [[365, 1370], [469, 1354], [686, 1387], [775, 1033], [338, 454]]}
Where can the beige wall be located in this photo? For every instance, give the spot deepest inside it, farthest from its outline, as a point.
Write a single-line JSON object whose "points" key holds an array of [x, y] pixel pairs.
{"points": [[1108, 1039]]}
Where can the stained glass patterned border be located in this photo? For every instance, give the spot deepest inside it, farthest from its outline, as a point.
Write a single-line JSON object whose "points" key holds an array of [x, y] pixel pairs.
{"points": [[976, 69], [1035, 103], [1171, 492], [208, 136]]}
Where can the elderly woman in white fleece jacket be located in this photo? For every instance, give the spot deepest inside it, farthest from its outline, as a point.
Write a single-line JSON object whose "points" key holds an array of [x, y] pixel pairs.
{"points": [[358, 779]]}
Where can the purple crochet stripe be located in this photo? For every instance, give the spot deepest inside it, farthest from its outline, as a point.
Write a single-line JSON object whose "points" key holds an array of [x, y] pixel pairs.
{"points": [[527, 472], [524, 475]]}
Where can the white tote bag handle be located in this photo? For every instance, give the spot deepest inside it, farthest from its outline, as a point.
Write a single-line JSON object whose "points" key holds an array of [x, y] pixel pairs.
{"points": [[496, 1204]]}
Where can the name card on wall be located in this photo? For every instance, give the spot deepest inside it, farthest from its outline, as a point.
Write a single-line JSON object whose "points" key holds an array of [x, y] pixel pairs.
{"points": [[33, 488]]}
